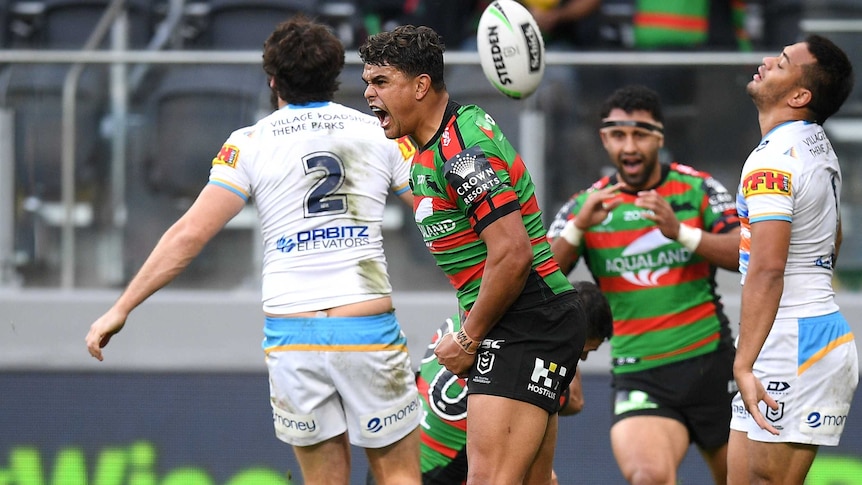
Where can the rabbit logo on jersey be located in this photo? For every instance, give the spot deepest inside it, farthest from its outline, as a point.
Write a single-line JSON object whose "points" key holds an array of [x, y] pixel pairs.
{"points": [[392, 419], [324, 238]]}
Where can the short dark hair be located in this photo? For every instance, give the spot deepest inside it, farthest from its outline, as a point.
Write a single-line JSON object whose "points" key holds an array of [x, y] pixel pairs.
{"points": [[830, 79], [600, 321], [410, 49], [634, 98], [305, 59]]}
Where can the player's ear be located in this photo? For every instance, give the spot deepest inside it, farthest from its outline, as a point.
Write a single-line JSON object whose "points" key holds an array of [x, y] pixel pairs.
{"points": [[801, 97], [423, 86]]}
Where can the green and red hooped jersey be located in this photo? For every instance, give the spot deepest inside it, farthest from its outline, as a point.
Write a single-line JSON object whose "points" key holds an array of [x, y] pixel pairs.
{"points": [[662, 295], [464, 179]]}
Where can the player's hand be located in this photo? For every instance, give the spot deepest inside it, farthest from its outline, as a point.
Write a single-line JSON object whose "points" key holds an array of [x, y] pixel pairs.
{"points": [[102, 330], [596, 207], [453, 357], [752, 392], [660, 212]]}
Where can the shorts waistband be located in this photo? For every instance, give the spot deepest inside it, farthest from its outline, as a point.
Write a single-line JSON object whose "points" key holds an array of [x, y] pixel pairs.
{"points": [[374, 332]]}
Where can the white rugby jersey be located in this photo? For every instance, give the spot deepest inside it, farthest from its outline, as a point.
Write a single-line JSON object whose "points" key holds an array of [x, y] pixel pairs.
{"points": [[319, 175], [794, 176]]}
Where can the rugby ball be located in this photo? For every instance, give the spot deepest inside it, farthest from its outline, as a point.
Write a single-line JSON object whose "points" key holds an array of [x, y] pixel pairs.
{"points": [[511, 49]]}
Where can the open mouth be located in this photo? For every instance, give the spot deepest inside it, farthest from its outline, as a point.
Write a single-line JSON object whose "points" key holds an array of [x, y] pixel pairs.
{"points": [[632, 165], [758, 76], [382, 115]]}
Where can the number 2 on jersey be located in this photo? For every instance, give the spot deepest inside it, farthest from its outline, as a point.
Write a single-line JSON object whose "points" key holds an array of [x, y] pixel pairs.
{"points": [[322, 199]]}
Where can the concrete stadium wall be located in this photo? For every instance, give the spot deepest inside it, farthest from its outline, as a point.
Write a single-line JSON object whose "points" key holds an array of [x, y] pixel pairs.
{"points": [[180, 330]]}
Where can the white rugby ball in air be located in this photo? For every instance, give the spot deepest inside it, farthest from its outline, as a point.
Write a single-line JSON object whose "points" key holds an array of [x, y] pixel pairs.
{"points": [[511, 49]]}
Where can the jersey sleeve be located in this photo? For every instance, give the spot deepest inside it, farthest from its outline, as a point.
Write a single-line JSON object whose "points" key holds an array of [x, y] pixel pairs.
{"points": [[230, 165], [564, 214], [768, 190], [401, 160], [479, 184]]}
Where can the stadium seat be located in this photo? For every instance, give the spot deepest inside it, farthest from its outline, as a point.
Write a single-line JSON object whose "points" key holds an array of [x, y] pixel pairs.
{"points": [[245, 24], [194, 108], [4, 22], [66, 24], [192, 112], [34, 92]]}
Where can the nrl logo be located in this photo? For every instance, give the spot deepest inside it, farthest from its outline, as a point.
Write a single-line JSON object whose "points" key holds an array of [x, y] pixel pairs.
{"points": [[485, 362]]}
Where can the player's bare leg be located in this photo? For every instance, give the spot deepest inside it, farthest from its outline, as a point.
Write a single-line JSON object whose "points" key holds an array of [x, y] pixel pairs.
{"points": [[649, 449], [758, 463], [503, 436], [716, 460], [326, 463], [737, 459], [538, 472], [398, 463]]}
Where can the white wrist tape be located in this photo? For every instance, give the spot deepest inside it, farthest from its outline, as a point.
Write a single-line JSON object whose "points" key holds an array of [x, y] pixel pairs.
{"points": [[689, 236], [571, 233]]}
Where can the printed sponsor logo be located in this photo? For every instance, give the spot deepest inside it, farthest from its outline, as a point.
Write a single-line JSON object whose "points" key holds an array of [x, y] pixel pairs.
{"points": [[424, 209], [294, 425], [645, 277], [408, 149], [324, 238], [534, 46], [492, 344], [720, 200], [544, 378], [777, 386], [767, 181], [640, 265], [432, 231], [825, 262], [631, 216], [824, 421], [228, 155], [470, 174], [627, 401], [390, 420], [499, 54], [818, 144], [625, 361]]}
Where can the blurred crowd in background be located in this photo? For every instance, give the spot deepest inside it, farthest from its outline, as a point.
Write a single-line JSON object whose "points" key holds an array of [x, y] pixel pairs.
{"points": [[145, 133]]}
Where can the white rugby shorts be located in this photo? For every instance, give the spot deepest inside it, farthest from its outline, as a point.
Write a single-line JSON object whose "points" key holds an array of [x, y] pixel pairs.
{"points": [[810, 367], [331, 375]]}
